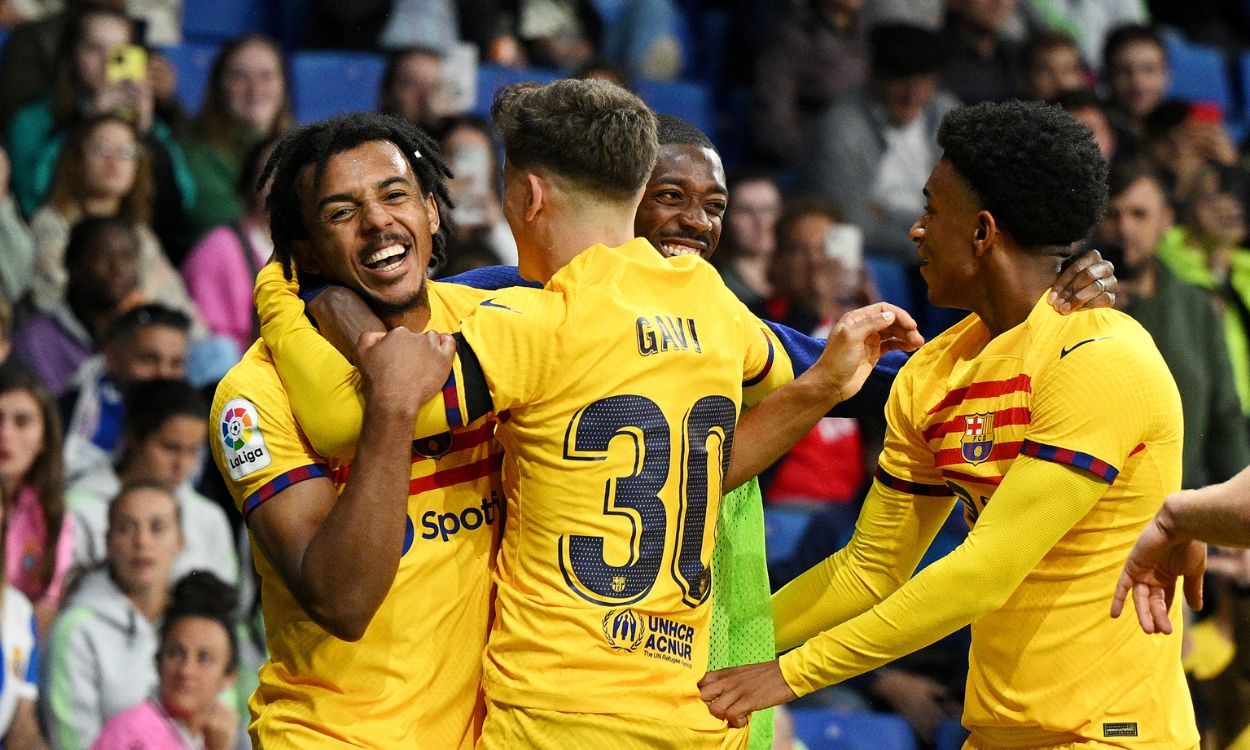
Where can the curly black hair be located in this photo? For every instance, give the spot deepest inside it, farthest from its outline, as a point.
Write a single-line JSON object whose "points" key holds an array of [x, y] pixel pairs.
{"points": [[1032, 166], [671, 130], [314, 144]]}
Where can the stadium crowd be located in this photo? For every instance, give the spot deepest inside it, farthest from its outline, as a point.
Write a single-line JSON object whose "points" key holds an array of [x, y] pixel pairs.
{"points": [[133, 227]]}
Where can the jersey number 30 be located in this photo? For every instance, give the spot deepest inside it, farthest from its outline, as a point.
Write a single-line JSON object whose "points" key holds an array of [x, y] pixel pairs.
{"points": [[635, 498]]}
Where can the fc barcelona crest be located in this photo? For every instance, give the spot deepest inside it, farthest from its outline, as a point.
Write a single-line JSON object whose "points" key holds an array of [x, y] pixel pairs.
{"points": [[978, 437]]}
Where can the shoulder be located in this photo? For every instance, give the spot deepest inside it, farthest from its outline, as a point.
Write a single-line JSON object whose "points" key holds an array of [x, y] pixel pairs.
{"points": [[1096, 344], [17, 610]]}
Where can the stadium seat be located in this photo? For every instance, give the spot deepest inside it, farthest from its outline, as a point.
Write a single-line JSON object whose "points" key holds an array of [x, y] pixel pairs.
{"points": [[1199, 73], [490, 78], [221, 20], [890, 277], [194, 63], [822, 729], [690, 101], [950, 735], [331, 83], [783, 528]]}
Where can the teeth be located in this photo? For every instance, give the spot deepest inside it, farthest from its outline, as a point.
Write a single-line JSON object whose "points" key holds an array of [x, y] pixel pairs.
{"points": [[385, 253], [674, 250]]}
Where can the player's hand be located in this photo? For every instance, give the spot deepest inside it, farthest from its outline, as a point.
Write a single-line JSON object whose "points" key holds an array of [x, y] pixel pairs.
{"points": [[732, 694], [402, 369], [220, 727], [342, 316], [1087, 282], [859, 339], [1150, 573], [923, 702]]}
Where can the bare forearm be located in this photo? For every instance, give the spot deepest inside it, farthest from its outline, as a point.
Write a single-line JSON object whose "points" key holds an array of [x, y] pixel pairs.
{"points": [[1219, 514], [342, 316], [349, 564], [767, 431]]}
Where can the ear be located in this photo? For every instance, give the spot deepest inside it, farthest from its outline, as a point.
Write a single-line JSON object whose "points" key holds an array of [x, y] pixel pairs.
{"points": [[431, 209], [985, 234], [536, 195], [305, 259]]}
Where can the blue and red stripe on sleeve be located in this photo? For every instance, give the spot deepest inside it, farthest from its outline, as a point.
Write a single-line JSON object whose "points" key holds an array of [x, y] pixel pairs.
{"points": [[1096, 466], [911, 488], [281, 482]]}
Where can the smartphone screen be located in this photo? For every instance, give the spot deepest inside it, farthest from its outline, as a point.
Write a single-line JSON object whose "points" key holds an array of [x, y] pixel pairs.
{"points": [[128, 63]]}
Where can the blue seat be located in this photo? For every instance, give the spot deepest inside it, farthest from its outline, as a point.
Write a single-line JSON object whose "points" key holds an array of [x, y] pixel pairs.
{"points": [[194, 63], [491, 78], [221, 20], [783, 528], [822, 729], [890, 277], [1199, 73], [950, 735], [325, 84], [690, 101]]}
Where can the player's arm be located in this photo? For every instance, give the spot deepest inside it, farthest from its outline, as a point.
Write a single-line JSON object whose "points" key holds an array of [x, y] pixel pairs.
{"points": [[338, 555], [324, 387], [894, 529], [1037, 504], [767, 431]]}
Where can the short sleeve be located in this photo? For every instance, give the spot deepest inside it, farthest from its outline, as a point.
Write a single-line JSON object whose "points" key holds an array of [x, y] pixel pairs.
{"points": [[907, 463], [255, 442], [766, 364], [1099, 403], [514, 338]]}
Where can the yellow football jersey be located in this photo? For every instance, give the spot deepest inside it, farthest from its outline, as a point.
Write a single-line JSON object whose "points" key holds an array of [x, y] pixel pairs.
{"points": [[413, 680], [618, 387], [1051, 666]]}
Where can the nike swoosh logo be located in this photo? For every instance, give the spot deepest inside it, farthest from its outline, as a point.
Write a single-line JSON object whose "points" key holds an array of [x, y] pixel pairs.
{"points": [[492, 303], [1065, 352]]}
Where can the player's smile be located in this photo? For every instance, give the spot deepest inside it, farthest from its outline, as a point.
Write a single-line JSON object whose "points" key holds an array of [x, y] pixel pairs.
{"points": [[385, 256], [673, 245]]}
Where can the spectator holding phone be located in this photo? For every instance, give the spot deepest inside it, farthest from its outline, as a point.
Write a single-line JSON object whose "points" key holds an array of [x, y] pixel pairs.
{"points": [[100, 72], [469, 149]]}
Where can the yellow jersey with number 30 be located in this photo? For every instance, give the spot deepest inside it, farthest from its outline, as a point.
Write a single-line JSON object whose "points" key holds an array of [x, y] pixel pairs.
{"points": [[618, 387]]}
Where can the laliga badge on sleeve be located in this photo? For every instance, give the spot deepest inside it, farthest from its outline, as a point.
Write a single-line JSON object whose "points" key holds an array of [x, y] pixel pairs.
{"points": [[243, 444]]}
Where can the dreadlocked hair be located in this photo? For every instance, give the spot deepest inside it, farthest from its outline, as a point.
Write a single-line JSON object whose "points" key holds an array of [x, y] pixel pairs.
{"points": [[315, 144]]}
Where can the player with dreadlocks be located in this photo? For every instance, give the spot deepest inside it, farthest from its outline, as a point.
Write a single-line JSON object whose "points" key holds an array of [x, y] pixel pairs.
{"points": [[375, 570]]}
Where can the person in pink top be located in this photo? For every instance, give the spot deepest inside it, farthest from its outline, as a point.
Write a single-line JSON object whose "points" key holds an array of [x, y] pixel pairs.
{"points": [[221, 270], [39, 534], [196, 661]]}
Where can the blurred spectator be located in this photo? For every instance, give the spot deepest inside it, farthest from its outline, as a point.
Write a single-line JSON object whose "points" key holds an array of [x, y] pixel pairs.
{"points": [[599, 69], [643, 40], [99, 659], [197, 661], [874, 148], [1050, 65], [146, 343], [28, 61], [1185, 140], [1089, 22], [1183, 322], [38, 533], [810, 287], [1135, 67], [19, 690], [221, 270], [470, 150], [561, 34], [982, 64], [363, 24], [466, 255], [928, 14], [1208, 250], [84, 89], [17, 247], [103, 261], [6, 331], [1223, 23], [103, 171], [750, 238], [163, 439], [817, 51], [247, 101], [410, 87], [1088, 109]]}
